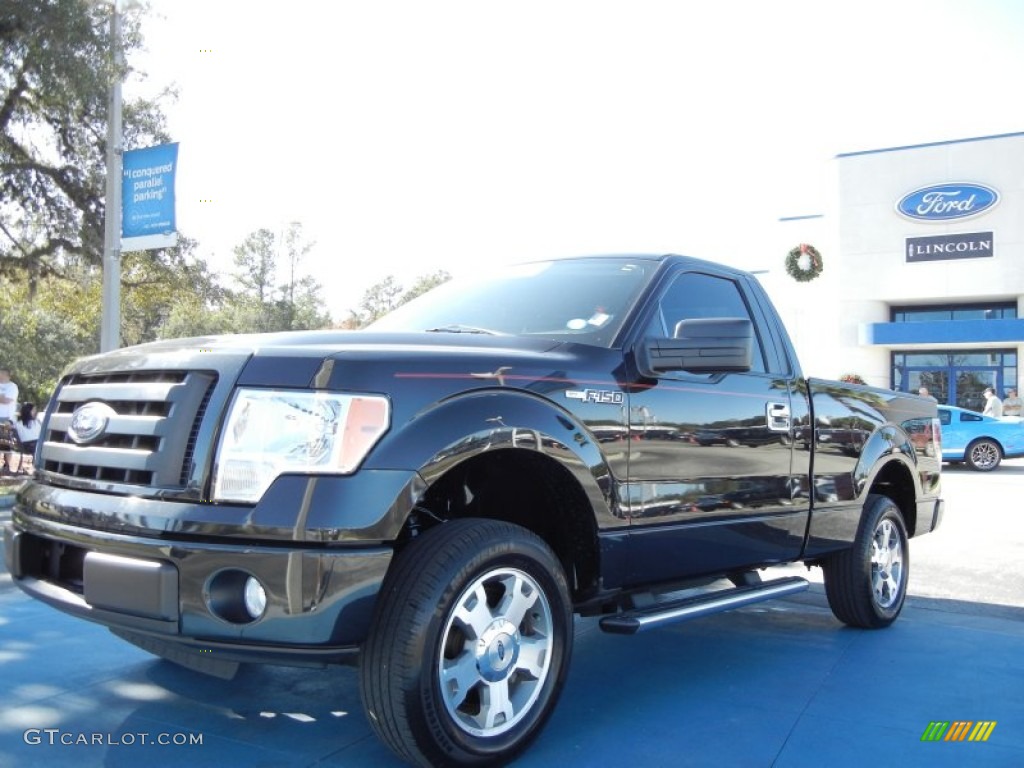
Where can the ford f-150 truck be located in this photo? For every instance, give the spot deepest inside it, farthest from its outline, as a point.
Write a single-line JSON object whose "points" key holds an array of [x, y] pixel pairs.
{"points": [[629, 438]]}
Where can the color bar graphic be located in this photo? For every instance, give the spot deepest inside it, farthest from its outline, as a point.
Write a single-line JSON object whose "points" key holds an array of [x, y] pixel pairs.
{"points": [[958, 730], [982, 731]]}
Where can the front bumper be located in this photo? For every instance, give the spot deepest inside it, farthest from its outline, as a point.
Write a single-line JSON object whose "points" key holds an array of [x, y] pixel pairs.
{"points": [[937, 512], [189, 593]]}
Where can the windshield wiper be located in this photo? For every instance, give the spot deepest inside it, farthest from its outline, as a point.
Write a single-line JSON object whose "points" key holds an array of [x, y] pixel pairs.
{"points": [[456, 328]]}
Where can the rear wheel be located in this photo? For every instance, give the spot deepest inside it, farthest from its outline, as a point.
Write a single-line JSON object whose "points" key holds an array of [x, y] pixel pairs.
{"points": [[983, 455], [470, 644], [866, 584]]}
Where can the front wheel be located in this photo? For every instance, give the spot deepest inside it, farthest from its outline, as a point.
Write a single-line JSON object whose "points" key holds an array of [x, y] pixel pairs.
{"points": [[866, 584], [983, 455], [469, 646]]}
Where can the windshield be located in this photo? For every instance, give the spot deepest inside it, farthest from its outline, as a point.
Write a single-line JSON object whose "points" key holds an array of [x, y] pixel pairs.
{"points": [[583, 300]]}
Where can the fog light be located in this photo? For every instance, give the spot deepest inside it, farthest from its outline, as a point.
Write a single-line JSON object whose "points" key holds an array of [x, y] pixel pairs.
{"points": [[255, 597]]}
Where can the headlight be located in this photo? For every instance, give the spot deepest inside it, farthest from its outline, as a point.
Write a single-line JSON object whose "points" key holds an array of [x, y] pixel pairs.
{"points": [[269, 432]]}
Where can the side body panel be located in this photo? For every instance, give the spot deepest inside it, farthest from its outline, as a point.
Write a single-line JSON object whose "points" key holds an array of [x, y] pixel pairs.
{"points": [[861, 434], [714, 482]]}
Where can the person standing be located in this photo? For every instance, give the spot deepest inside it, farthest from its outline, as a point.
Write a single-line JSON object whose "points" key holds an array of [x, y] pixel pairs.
{"points": [[28, 427], [1012, 404], [923, 392], [8, 407], [993, 405]]}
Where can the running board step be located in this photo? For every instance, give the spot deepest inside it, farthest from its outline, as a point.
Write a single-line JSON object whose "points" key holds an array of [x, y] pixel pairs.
{"points": [[648, 617]]}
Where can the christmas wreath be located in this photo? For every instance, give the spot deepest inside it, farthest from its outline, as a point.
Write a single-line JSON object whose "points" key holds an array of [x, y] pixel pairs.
{"points": [[803, 263]]}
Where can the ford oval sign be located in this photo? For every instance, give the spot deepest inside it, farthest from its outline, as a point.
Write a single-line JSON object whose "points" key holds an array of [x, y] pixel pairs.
{"points": [[89, 421], [943, 202]]}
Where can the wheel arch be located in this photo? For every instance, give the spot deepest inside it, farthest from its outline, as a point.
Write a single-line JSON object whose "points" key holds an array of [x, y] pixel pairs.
{"points": [[989, 438], [888, 465], [514, 456], [896, 480], [528, 489]]}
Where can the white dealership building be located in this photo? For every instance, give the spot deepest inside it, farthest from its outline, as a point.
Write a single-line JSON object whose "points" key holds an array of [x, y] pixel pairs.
{"points": [[922, 282]]}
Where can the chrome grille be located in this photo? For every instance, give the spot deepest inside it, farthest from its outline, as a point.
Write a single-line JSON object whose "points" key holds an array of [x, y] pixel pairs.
{"points": [[193, 436], [150, 439]]}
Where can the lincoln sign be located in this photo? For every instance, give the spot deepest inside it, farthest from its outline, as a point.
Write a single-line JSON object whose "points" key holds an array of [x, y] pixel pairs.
{"points": [[971, 245]]}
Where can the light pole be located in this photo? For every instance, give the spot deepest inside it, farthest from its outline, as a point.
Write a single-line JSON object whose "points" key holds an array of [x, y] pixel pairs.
{"points": [[110, 323]]}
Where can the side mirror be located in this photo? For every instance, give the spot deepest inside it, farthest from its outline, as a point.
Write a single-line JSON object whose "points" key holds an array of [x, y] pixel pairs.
{"points": [[704, 345]]}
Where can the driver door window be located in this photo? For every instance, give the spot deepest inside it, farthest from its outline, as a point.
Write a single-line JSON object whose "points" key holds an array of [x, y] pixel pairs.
{"points": [[694, 295]]}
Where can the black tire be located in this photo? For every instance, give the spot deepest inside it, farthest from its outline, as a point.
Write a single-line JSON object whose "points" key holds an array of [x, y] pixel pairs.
{"points": [[983, 455], [866, 584], [467, 598]]}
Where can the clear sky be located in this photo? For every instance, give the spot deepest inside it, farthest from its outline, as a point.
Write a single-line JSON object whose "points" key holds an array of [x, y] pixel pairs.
{"points": [[413, 135]]}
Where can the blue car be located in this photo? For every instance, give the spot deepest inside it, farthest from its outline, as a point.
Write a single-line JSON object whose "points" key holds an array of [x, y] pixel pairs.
{"points": [[980, 441]]}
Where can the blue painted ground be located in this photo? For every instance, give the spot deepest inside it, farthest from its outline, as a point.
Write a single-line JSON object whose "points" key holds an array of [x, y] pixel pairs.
{"points": [[780, 684]]}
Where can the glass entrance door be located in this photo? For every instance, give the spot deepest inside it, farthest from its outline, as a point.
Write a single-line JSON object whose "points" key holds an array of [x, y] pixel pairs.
{"points": [[952, 386], [970, 383], [955, 377], [935, 380]]}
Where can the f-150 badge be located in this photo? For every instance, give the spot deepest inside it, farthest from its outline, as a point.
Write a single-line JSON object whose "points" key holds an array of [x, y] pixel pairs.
{"points": [[596, 396]]}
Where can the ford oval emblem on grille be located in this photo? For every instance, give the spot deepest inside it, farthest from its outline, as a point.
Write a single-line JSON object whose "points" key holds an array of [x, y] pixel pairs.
{"points": [[89, 421], [942, 202]]}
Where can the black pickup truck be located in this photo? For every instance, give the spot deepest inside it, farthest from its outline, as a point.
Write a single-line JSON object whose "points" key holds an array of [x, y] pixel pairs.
{"points": [[436, 496]]}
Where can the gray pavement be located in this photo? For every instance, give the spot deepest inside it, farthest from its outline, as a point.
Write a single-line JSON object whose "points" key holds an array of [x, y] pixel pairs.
{"points": [[779, 684]]}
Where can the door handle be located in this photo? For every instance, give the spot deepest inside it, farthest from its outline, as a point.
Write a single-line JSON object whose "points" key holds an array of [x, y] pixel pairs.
{"points": [[778, 417]]}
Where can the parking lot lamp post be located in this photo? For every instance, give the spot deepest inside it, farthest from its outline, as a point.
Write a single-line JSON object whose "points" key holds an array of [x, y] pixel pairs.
{"points": [[110, 323]]}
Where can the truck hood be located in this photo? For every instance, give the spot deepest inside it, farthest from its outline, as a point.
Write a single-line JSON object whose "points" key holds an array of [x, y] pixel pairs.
{"points": [[371, 362], [336, 359], [309, 345]]}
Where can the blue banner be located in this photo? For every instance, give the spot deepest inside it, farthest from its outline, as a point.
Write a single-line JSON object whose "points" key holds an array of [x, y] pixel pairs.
{"points": [[147, 195]]}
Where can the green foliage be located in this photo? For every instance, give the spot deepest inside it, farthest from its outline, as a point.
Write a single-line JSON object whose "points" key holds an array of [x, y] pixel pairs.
{"points": [[48, 322], [424, 283], [38, 339], [274, 295], [256, 263], [154, 282], [382, 297], [55, 76], [379, 299]]}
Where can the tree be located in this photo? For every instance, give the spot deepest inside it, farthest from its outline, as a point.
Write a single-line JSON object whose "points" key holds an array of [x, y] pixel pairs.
{"points": [[424, 283], [268, 300], [42, 335], [300, 303], [380, 298], [155, 282], [55, 76], [47, 324], [256, 265]]}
